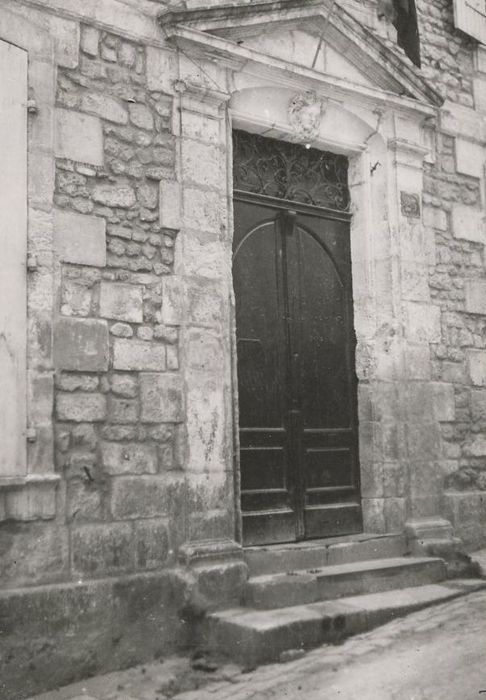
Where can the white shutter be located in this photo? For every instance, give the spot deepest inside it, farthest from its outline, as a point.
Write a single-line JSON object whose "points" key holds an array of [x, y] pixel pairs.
{"points": [[470, 17], [13, 250]]}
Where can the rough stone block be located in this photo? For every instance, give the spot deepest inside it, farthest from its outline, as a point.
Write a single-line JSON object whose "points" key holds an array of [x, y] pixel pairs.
{"points": [[140, 497], [476, 361], [478, 404], [203, 210], [435, 218], [204, 304], [475, 446], [205, 425], [79, 238], [173, 291], [114, 195], [468, 223], [124, 385], [138, 355], [151, 540], [162, 398], [32, 553], [479, 89], [102, 549], [204, 351], [76, 299], [201, 164], [469, 158], [90, 39], [105, 107], [129, 458], [79, 137], [123, 410], [123, 302], [141, 116], [200, 127], [423, 322], [476, 296], [170, 204], [443, 401], [66, 41], [81, 345], [161, 70], [80, 407], [83, 501], [458, 120]]}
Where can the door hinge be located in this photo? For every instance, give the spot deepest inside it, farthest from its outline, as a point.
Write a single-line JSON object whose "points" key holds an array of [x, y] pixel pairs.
{"points": [[32, 263], [31, 434]]}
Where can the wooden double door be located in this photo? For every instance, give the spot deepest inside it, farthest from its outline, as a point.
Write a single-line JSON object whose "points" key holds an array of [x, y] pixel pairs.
{"points": [[296, 378]]}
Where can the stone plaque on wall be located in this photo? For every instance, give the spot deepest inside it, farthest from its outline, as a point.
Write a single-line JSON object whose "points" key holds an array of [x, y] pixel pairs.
{"points": [[410, 204]]}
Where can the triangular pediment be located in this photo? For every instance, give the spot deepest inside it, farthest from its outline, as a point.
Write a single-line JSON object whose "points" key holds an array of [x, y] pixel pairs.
{"points": [[319, 35]]}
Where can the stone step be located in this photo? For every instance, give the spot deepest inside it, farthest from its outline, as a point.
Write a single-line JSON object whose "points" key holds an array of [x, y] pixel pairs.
{"points": [[331, 582], [255, 637], [312, 554]]}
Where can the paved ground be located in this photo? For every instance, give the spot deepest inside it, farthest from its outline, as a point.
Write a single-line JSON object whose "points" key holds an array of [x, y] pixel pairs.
{"points": [[435, 654]]}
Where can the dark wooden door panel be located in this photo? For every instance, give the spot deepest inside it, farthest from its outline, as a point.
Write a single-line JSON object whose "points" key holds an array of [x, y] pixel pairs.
{"points": [[297, 388]]}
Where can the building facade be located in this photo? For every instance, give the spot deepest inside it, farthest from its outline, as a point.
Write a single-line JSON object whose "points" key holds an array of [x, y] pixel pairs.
{"points": [[134, 465]]}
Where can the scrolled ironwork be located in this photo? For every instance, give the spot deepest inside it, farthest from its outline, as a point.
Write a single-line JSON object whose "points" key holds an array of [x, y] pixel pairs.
{"points": [[290, 171]]}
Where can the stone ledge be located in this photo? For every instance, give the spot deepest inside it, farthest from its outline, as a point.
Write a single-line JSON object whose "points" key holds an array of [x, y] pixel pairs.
{"points": [[31, 497]]}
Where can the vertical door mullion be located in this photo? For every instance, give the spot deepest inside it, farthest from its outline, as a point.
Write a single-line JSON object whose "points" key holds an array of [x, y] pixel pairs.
{"points": [[290, 289]]}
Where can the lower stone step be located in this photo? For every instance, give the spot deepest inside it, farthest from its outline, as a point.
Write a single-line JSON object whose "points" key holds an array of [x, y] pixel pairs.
{"points": [[332, 582], [255, 637]]}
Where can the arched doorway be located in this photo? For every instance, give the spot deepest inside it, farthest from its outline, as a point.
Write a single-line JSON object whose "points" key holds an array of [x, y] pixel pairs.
{"points": [[295, 342]]}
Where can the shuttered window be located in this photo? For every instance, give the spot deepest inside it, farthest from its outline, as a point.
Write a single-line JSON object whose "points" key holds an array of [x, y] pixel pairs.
{"points": [[13, 245], [470, 17]]}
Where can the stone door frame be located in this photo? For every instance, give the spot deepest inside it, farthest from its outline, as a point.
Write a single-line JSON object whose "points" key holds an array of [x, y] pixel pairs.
{"points": [[386, 138]]}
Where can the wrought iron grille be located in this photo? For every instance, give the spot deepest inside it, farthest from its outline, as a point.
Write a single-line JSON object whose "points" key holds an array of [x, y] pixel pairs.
{"points": [[290, 171]]}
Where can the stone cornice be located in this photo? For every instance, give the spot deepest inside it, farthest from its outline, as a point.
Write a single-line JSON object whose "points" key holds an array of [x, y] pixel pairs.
{"points": [[208, 46], [341, 30]]}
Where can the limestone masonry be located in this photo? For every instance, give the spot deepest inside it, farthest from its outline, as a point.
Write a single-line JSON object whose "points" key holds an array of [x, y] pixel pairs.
{"points": [[119, 493]]}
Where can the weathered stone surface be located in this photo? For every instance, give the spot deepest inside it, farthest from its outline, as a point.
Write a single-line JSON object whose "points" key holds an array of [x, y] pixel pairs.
{"points": [[203, 210], [90, 39], [173, 291], [204, 303], [170, 204], [141, 116], [138, 355], [161, 398], [80, 239], [476, 361], [105, 107], [83, 501], [443, 401], [204, 351], [123, 302], [32, 553], [423, 322], [469, 158], [151, 539], [161, 69], [105, 548], [468, 223], [121, 330], [124, 385], [475, 446], [123, 410], [121, 196], [80, 407], [81, 345], [79, 137], [129, 458], [476, 296], [139, 497]]}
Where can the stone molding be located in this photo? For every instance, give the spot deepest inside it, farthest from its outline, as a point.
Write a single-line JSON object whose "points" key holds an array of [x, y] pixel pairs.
{"points": [[362, 48]]}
